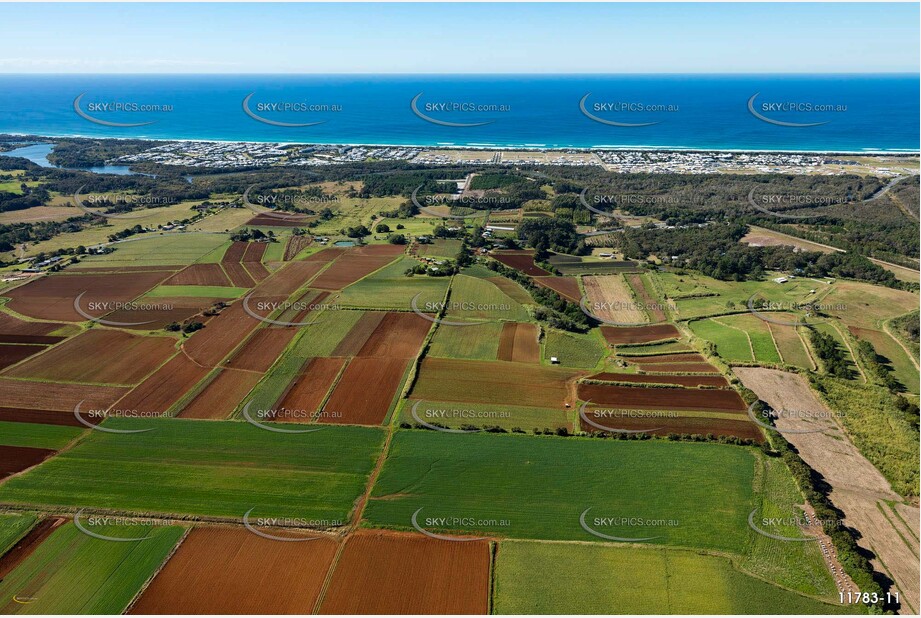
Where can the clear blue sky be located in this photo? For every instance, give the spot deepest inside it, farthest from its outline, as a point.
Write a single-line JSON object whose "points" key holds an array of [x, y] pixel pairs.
{"points": [[459, 38]]}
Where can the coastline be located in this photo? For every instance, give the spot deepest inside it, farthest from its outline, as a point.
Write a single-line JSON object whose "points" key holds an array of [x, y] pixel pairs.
{"points": [[483, 147]]}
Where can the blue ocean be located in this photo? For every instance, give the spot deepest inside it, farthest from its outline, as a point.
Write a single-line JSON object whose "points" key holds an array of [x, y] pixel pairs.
{"points": [[842, 113]]}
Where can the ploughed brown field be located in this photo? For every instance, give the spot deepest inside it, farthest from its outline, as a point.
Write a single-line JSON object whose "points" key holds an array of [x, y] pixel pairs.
{"points": [[233, 571], [681, 368], [348, 269], [659, 359], [275, 221], [394, 573], [52, 297], [639, 334], [10, 354], [101, 356], [398, 335], [521, 260], [391, 250], [14, 330], [325, 255], [164, 387], [445, 379], [262, 349], [219, 398], [512, 289], [309, 388], [365, 391], [288, 279], [59, 396], [254, 251], [157, 316], [28, 544], [567, 287], [661, 398], [234, 252], [518, 342], [642, 378], [45, 417], [15, 459], [223, 333], [200, 274], [359, 334], [661, 426], [239, 276]]}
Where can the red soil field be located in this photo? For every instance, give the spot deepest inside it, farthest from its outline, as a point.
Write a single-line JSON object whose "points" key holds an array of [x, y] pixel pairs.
{"points": [[639, 334], [521, 260], [511, 289], [200, 274], [44, 417], [653, 307], [262, 349], [680, 368], [518, 342], [234, 252], [164, 388], [445, 379], [359, 334], [220, 336], [690, 381], [740, 428], [325, 255], [181, 308], [57, 396], [12, 328], [399, 335], [221, 396], [15, 459], [256, 270], [289, 278], [391, 250], [52, 297], [426, 576], [658, 359], [295, 245], [28, 544], [365, 391], [567, 287], [239, 276], [254, 251], [95, 269], [99, 356], [12, 354], [310, 387], [662, 398], [269, 221], [233, 571], [348, 269]]}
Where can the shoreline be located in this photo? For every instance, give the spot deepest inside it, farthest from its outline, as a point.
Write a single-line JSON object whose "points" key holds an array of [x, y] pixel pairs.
{"points": [[509, 148]]}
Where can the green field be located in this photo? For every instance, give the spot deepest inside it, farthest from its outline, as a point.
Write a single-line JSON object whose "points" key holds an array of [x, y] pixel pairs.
{"points": [[390, 288], [73, 573], [609, 579], [731, 344], [195, 291], [580, 351], [455, 415], [478, 341], [478, 299], [36, 435], [12, 528], [206, 468], [441, 247], [527, 487], [166, 249]]}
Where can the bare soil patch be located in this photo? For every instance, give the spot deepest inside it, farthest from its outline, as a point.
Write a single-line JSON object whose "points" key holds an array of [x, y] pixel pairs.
{"points": [[164, 388], [57, 395], [661, 398], [567, 287], [200, 274], [639, 334], [262, 349], [398, 335], [15, 459], [348, 269], [521, 260], [643, 378], [518, 342], [221, 396], [365, 391], [310, 387], [10, 354]]}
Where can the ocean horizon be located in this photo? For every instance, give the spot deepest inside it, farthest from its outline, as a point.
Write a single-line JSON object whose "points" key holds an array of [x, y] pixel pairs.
{"points": [[836, 113]]}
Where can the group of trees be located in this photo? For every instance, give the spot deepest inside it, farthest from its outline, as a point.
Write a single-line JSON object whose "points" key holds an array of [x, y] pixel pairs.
{"points": [[830, 353], [554, 309]]}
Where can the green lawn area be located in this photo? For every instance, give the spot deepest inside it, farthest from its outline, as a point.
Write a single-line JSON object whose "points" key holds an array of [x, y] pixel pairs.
{"points": [[73, 573], [196, 291], [207, 468], [275, 251], [477, 341], [478, 299], [390, 288], [455, 415], [36, 435], [731, 344], [157, 249], [581, 351], [12, 528], [758, 332], [610, 579], [441, 247], [527, 487]]}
